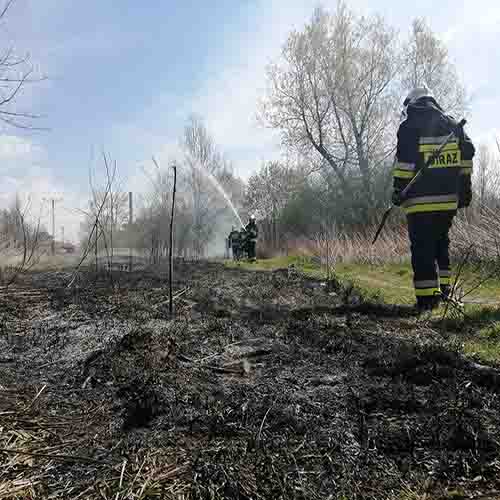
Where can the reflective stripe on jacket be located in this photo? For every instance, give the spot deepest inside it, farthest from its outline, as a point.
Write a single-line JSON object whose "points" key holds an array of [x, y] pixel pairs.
{"points": [[446, 185]]}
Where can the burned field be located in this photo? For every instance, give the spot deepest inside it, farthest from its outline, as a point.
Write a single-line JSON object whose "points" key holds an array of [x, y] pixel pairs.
{"points": [[266, 385]]}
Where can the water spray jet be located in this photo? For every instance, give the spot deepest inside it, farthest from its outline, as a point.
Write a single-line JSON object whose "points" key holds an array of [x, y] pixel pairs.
{"points": [[221, 191]]}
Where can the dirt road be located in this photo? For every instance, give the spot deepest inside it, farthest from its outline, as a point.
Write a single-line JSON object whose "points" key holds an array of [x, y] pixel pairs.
{"points": [[264, 386]]}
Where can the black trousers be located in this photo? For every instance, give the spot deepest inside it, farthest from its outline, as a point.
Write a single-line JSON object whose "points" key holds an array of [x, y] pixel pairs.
{"points": [[251, 249], [236, 252], [430, 258]]}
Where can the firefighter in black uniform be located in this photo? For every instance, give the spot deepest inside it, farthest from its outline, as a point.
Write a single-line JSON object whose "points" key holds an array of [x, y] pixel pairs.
{"points": [[251, 233], [235, 243], [433, 200], [243, 243]]}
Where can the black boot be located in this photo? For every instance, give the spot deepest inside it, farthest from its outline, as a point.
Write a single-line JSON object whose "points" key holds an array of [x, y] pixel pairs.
{"points": [[428, 303]]}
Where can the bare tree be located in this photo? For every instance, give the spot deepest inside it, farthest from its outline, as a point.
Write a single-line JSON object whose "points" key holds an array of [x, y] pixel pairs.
{"points": [[101, 216], [483, 165], [15, 73], [336, 91], [206, 167], [426, 60], [26, 237], [271, 187], [331, 92], [151, 229], [485, 180], [200, 209], [156, 213], [268, 192]]}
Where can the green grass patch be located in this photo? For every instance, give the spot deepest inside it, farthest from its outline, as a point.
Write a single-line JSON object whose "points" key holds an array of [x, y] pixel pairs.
{"points": [[304, 263], [389, 283], [485, 344], [392, 284]]}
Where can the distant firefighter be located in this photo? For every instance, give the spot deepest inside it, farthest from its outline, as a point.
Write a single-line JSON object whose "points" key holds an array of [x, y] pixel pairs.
{"points": [[235, 242], [251, 238], [243, 243]]}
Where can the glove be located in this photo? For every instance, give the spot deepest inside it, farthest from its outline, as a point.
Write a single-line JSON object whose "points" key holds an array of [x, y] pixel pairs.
{"points": [[465, 193], [465, 200], [396, 198], [468, 198]]}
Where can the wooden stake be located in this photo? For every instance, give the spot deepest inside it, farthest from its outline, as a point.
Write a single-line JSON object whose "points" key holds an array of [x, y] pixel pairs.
{"points": [[130, 221], [327, 256], [96, 241], [171, 255]]}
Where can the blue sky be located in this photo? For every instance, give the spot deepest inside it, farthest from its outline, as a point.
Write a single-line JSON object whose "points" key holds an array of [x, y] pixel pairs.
{"points": [[125, 75]]}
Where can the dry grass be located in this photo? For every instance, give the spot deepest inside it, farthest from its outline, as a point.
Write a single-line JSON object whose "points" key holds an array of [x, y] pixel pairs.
{"points": [[391, 247], [477, 236], [31, 440], [43, 261], [338, 247], [328, 406], [40, 446]]}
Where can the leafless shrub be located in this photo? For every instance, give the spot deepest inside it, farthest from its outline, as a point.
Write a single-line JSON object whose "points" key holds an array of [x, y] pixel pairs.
{"points": [[97, 228], [476, 233], [22, 241], [478, 236], [203, 217]]}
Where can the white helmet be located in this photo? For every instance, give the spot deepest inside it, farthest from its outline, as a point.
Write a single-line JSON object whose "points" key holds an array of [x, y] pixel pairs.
{"points": [[416, 94]]}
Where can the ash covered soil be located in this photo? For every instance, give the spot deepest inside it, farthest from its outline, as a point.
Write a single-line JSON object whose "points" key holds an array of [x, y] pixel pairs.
{"points": [[266, 385]]}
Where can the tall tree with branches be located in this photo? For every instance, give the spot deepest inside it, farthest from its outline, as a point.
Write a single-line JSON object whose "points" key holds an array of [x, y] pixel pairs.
{"points": [[331, 92], [426, 60], [336, 90], [268, 193], [206, 166]]}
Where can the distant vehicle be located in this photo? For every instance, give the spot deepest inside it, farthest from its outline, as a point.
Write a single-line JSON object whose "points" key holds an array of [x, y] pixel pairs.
{"points": [[68, 247]]}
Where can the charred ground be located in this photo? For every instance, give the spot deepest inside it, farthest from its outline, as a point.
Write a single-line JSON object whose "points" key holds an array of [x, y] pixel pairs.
{"points": [[266, 385]]}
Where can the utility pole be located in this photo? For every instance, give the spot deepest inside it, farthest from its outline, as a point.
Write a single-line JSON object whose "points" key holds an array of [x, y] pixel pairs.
{"points": [[53, 226], [62, 234], [53, 217]]}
